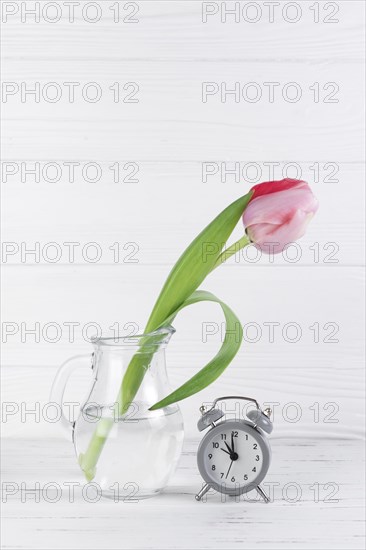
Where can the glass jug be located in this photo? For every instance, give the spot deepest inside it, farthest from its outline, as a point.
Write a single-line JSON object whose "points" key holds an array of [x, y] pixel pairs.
{"points": [[130, 453]]}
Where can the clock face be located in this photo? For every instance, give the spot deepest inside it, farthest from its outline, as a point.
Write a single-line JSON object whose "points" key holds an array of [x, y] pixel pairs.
{"points": [[234, 457]]}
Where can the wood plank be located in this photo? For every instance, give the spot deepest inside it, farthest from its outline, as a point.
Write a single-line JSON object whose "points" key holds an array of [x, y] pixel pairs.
{"points": [[213, 129], [175, 520], [180, 25], [317, 402], [86, 294], [182, 90], [145, 213]]}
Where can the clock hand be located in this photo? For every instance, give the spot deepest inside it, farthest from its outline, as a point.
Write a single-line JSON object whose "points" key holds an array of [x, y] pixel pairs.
{"points": [[231, 463], [225, 451], [228, 448], [232, 442]]}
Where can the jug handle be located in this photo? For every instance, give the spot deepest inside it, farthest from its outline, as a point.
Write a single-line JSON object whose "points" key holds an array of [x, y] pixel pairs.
{"points": [[59, 384]]}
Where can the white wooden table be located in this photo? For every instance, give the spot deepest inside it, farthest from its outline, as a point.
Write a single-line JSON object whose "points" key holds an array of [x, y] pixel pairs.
{"points": [[317, 488]]}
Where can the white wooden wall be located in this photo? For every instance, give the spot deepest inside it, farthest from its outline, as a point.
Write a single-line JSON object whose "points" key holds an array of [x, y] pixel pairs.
{"points": [[168, 134]]}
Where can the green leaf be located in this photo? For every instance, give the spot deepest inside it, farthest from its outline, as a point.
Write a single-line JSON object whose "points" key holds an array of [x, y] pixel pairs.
{"points": [[217, 365], [196, 262]]}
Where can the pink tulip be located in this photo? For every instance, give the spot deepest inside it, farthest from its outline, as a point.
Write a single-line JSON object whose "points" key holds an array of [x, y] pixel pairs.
{"points": [[278, 213]]}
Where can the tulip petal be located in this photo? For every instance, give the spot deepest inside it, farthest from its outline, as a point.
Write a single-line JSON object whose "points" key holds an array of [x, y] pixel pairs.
{"points": [[279, 207], [274, 238], [269, 187]]}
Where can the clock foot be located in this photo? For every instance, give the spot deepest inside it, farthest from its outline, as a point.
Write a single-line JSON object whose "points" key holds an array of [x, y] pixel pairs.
{"points": [[262, 494], [203, 491]]}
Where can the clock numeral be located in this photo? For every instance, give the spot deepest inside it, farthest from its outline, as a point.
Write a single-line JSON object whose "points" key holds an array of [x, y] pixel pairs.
{"points": [[233, 479], [210, 456], [223, 436], [222, 475], [254, 469], [234, 434], [213, 467], [215, 445], [257, 458], [255, 446], [245, 477], [246, 437]]}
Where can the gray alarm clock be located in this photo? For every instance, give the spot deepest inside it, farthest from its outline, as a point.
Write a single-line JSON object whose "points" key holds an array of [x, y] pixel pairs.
{"points": [[234, 456]]}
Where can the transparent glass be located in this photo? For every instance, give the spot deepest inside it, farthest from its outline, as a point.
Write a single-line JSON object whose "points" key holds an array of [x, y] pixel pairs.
{"points": [[129, 454]]}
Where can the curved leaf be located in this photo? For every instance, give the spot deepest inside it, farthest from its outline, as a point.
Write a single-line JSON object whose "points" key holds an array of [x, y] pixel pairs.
{"points": [[217, 365]]}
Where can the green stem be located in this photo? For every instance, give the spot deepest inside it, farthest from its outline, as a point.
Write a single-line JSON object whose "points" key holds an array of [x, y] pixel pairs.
{"points": [[187, 274], [131, 382], [89, 459], [231, 251]]}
